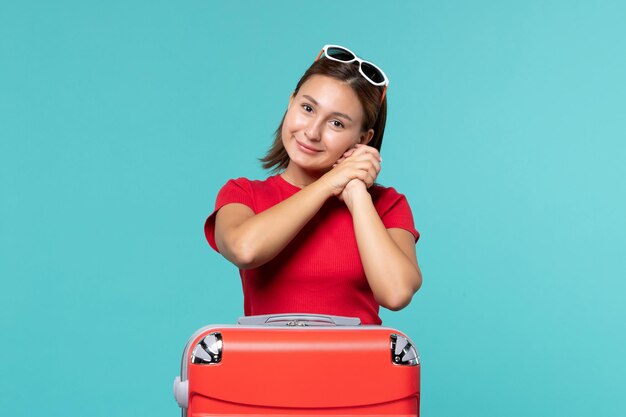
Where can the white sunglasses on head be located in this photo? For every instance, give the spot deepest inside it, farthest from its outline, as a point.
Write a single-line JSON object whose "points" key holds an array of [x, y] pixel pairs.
{"points": [[368, 70]]}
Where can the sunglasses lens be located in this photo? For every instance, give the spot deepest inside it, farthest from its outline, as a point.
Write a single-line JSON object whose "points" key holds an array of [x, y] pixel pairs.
{"points": [[340, 54], [372, 72]]}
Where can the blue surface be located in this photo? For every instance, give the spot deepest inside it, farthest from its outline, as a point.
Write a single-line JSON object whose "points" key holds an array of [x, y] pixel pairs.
{"points": [[119, 122]]}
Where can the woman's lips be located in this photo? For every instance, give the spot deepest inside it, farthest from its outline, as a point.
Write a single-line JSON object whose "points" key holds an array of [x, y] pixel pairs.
{"points": [[306, 148]]}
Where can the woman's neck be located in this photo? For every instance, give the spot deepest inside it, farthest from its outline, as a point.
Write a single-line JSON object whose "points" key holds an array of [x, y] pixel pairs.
{"points": [[299, 177]]}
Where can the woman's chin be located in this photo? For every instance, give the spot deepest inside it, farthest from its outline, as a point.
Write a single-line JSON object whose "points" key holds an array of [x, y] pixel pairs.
{"points": [[309, 166]]}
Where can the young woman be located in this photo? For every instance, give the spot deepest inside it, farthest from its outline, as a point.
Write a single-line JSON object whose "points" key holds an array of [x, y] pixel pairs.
{"points": [[320, 236]]}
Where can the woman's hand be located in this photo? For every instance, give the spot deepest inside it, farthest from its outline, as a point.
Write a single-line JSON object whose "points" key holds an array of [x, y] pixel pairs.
{"points": [[359, 163]]}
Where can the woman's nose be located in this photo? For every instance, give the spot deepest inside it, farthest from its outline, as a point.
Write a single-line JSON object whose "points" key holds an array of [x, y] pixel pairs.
{"points": [[313, 130]]}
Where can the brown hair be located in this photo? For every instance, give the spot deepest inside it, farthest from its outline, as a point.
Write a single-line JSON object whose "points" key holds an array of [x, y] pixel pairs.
{"points": [[369, 95]]}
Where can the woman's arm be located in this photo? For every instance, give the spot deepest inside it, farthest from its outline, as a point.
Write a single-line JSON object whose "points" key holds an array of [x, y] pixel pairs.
{"points": [[388, 255], [250, 240]]}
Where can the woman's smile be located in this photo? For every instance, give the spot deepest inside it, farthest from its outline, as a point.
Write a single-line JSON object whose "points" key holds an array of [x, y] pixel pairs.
{"points": [[307, 148]]}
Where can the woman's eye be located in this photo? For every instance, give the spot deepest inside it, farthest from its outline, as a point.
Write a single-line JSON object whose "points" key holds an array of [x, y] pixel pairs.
{"points": [[307, 108], [337, 123]]}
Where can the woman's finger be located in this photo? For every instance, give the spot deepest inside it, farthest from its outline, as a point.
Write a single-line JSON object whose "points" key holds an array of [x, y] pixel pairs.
{"points": [[348, 153], [369, 162], [365, 150]]}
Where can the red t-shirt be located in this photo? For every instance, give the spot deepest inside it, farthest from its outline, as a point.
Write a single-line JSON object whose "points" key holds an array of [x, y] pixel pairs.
{"points": [[320, 270]]}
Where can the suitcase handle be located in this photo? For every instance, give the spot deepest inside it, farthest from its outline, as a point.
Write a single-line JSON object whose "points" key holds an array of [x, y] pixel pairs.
{"points": [[298, 320]]}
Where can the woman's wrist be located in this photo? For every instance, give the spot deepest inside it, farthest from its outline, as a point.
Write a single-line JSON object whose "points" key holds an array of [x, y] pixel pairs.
{"points": [[327, 186], [323, 187], [355, 194]]}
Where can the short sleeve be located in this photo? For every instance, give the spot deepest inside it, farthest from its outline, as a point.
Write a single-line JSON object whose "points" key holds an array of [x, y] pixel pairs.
{"points": [[394, 211], [234, 191]]}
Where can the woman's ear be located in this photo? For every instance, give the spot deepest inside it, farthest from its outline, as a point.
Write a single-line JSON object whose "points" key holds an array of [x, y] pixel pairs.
{"points": [[366, 137]]}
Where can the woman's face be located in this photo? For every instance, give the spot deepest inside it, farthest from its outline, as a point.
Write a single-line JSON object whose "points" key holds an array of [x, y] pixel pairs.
{"points": [[323, 121]]}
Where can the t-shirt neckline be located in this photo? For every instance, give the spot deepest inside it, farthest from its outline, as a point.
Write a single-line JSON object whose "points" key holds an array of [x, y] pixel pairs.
{"points": [[286, 184]]}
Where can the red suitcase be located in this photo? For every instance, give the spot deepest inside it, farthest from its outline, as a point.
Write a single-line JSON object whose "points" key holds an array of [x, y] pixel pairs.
{"points": [[298, 365]]}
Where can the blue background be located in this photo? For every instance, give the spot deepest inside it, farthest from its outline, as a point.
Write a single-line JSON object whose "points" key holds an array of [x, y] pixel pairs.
{"points": [[120, 120]]}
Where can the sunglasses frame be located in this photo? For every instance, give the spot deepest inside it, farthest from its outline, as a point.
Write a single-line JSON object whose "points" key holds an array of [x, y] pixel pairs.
{"points": [[385, 82]]}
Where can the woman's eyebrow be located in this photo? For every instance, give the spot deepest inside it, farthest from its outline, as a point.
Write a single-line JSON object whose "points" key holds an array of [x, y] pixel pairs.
{"points": [[336, 113]]}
